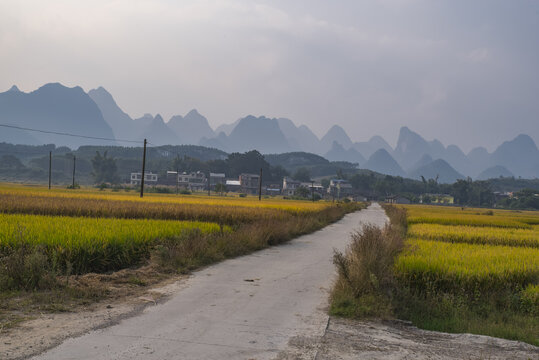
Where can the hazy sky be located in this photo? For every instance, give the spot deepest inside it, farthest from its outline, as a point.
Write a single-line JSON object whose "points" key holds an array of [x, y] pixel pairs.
{"points": [[465, 72]]}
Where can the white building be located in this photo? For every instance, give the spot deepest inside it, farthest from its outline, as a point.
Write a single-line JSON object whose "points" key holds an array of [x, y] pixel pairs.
{"points": [[194, 181], [149, 178], [217, 178], [289, 186]]}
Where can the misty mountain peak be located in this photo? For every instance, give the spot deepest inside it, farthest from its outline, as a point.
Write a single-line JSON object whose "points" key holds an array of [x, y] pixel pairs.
{"points": [[55, 88], [14, 88], [440, 169], [193, 113], [409, 139], [191, 128], [525, 141], [381, 161], [158, 118], [56, 107], [101, 91], [337, 130], [335, 133]]}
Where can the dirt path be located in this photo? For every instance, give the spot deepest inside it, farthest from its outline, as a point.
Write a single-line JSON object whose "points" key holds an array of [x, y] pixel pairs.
{"points": [[244, 308]]}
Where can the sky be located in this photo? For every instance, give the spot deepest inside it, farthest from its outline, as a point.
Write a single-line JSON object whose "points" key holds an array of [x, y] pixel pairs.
{"points": [[464, 72]]}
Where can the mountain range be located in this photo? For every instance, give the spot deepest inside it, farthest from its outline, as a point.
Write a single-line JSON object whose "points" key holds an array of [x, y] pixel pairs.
{"points": [[56, 108]]}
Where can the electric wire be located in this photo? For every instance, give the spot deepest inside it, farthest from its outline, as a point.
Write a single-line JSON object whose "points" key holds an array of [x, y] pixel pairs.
{"points": [[69, 134]]}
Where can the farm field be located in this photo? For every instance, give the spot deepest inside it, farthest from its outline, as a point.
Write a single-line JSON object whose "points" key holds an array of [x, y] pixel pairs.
{"points": [[471, 270], [55, 243], [96, 231]]}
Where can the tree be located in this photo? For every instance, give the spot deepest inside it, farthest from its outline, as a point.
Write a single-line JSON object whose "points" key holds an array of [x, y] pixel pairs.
{"points": [[302, 192], [10, 162], [303, 174], [104, 169], [249, 162], [220, 188], [325, 183]]}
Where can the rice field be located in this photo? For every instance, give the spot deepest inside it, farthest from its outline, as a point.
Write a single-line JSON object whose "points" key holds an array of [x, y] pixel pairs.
{"points": [[465, 267], [93, 243], [467, 270], [91, 230], [424, 214], [149, 198], [476, 234], [465, 251]]}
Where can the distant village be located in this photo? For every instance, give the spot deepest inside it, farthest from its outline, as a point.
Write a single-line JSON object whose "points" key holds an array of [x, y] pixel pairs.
{"points": [[198, 181], [336, 189]]}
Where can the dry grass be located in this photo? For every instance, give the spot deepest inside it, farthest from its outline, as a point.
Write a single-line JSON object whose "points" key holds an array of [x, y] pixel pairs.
{"points": [[366, 279]]}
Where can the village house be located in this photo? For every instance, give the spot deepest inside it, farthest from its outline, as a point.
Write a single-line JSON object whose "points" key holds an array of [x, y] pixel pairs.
{"points": [[272, 189], [397, 199], [441, 199], [149, 178], [339, 188], [289, 186], [233, 185], [317, 188], [217, 178], [249, 183], [194, 181]]}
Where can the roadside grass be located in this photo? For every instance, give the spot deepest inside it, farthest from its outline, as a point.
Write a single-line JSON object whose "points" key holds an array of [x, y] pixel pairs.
{"points": [[366, 282], [493, 316], [443, 286]]}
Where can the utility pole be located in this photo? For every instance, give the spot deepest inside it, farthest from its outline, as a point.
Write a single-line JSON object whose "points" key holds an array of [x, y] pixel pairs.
{"points": [[74, 161], [50, 168], [209, 183], [177, 180], [143, 169], [260, 186], [312, 189]]}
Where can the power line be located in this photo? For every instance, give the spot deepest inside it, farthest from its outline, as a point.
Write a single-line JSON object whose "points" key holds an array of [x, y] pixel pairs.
{"points": [[68, 134]]}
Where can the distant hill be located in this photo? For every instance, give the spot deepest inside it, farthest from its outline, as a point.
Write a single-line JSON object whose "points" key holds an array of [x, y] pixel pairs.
{"points": [[494, 172], [425, 160], [159, 133], [338, 153], [411, 147], [335, 133], [458, 160], [295, 159], [437, 169], [520, 156], [260, 133], [122, 125], [478, 158], [226, 128], [299, 138], [159, 152], [191, 128], [317, 165], [382, 162], [367, 148], [54, 107]]}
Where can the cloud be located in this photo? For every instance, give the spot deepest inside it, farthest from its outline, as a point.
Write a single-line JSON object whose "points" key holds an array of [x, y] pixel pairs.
{"points": [[370, 66], [479, 55]]}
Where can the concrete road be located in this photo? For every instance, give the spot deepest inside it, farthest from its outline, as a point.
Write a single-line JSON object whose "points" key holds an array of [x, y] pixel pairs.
{"points": [[252, 307]]}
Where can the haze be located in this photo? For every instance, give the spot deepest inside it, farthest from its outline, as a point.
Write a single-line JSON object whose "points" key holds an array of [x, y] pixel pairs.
{"points": [[463, 72]]}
